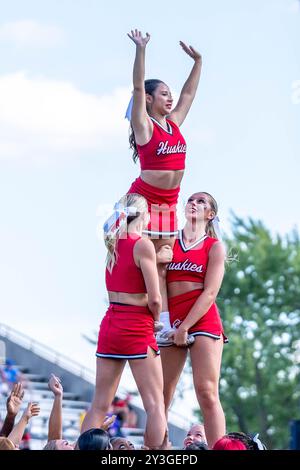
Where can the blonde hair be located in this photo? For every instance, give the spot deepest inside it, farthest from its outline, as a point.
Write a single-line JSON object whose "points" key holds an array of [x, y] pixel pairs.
{"points": [[6, 444], [209, 229], [111, 238]]}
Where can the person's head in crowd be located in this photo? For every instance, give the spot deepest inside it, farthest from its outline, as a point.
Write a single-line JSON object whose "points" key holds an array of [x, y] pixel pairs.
{"points": [[195, 434], [58, 444], [132, 417], [232, 440], [25, 443], [120, 443], [93, 439], [7, 444], [9, 363], [229, 443], [197, 446], [120, 408]]}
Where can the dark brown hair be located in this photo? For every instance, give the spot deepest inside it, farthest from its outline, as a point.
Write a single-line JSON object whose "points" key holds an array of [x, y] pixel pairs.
{"points": [[150, 87]]}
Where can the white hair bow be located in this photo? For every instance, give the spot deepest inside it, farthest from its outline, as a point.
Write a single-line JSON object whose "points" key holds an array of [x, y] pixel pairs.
{"points": [[129, 109], [216, 226], [118, 218]]}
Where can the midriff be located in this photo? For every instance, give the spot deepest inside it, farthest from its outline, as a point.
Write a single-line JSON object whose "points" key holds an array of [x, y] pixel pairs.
{"points": [[163, 179], [182, 287], [140, 300]]}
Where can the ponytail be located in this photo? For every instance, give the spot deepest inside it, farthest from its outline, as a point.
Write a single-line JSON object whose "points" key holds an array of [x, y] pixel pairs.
{"points": [[210, 230], [130, 207], [132, 145]]}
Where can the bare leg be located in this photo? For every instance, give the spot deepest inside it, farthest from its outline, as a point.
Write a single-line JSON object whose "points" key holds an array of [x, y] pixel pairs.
{"points": [[108, 377], [149, 379], [206, 355], [173, 359]]}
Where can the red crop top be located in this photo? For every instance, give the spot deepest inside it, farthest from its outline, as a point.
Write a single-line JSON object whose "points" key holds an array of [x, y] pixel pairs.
{"points": [[125, 275], [165, 150], [189, 263]]}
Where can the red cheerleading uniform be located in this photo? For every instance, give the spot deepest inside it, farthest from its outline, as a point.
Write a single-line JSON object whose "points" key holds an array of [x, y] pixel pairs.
{"points": [[126, 331], [190, 264], [166, 150]]}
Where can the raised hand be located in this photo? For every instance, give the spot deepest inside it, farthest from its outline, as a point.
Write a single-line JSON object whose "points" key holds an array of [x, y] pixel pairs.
{"points": [[14, 401], [55, 385], [138, 39], [33, 409], [189, 50]]}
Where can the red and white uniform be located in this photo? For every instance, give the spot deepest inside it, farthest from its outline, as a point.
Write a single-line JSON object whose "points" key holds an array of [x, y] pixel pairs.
{"points": [[165, 151], [126, 331], [190, 264]]}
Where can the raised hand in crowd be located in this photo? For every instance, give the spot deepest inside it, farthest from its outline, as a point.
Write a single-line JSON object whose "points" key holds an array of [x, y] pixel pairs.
{"points": [[32, 409], [13, 405]]}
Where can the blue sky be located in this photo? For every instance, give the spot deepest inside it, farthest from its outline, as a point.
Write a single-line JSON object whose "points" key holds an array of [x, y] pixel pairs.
{"points": [[65, 81]]}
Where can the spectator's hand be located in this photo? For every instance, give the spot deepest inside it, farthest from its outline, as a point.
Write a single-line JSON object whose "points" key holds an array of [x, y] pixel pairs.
{"points": [[14, 400], [33, 409], [109, 420], [55, 385]]}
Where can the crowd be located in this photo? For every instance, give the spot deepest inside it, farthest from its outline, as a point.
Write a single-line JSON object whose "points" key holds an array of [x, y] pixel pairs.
{"points": [[13, 436]]}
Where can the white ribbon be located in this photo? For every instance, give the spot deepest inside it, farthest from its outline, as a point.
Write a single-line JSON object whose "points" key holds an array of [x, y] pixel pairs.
{"points": [[118, 218], [129, 109], [258, 442], [216, 226]]}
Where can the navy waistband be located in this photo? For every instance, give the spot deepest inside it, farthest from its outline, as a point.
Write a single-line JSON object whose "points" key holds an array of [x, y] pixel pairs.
{"points": [[119, 303]]}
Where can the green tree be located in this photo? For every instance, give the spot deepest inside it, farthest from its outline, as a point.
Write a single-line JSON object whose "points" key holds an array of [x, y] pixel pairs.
{"points": [[260, 307]]}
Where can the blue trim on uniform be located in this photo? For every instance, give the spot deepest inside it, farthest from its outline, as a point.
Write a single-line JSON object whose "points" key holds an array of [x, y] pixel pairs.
{"points": [[210, 335], [197, 333], [126, 356], [152, 232], [170, 129], [193, 245]]}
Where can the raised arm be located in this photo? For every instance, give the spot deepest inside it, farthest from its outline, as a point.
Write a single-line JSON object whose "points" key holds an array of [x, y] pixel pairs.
{"points": [[55, 420], [16, 434], [212, 283], [141, 124], [145, 256], [13, 405], [189, 89]]}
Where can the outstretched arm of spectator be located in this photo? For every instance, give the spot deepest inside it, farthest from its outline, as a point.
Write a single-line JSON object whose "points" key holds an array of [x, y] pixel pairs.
{"points": [[55, 420], [16, 434], [13, 405]]}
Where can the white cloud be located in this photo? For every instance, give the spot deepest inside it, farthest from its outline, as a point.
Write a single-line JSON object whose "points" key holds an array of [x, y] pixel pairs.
{"points": [[31, 33], [46, 118]]}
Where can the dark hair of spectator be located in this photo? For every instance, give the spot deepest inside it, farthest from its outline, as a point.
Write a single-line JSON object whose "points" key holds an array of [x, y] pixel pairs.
{"points": [[197, 446], [93, 439]]}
